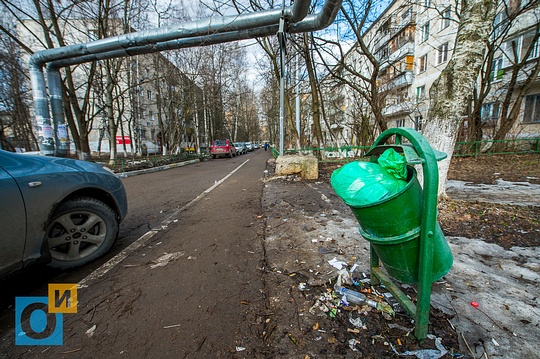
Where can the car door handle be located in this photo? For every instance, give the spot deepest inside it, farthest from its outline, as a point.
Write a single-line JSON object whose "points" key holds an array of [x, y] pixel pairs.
{"points": [[34, 184]]}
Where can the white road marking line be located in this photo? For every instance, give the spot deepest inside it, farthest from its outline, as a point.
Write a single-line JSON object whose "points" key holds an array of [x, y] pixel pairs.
{"points": [[145, 238]]}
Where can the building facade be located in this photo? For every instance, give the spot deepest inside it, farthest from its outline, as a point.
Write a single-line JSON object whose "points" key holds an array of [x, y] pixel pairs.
{"points": [[148, 101], [411, 43]]}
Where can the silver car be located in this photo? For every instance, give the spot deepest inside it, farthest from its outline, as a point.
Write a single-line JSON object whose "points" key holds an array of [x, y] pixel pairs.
{"points": [[56, 210]]}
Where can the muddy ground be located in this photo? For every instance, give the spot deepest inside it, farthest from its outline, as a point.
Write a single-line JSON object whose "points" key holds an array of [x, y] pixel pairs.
{"points": [[306, 229], [505, 225]]}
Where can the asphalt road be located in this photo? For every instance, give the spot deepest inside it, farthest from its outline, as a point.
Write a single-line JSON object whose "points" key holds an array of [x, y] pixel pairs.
{"points": [[183, 280]]}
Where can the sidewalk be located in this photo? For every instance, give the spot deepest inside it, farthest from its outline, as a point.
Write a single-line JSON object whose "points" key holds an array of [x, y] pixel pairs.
{"points": [[308, 225]]}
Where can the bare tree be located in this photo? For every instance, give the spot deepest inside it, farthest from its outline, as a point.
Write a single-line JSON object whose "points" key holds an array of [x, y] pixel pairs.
{"points": [[357, 69], [15, 120], [499, 113], [451, 90]]}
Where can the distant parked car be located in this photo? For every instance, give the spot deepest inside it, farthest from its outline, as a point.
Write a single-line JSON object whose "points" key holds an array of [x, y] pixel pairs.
{"points": [[240, 148], [56, 210], [249, 146], [149, 148], [222, 148]]}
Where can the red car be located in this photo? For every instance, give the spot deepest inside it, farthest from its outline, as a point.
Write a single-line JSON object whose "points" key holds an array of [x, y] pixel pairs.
{"points": [[222, 148]]}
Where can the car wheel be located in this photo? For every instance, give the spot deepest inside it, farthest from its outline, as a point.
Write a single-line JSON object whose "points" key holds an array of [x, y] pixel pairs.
{"points": [[80, 231]]}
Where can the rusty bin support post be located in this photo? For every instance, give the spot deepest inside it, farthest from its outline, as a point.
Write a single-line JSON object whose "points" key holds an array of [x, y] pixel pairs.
{"points": [[420, 153]]}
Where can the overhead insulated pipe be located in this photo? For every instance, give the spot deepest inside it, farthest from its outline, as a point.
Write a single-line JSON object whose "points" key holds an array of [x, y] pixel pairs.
{"points": [[199, 33], [313, 22]]}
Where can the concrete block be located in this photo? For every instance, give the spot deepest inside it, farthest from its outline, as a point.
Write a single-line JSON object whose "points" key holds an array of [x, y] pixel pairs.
{"points": [[305, 166]]}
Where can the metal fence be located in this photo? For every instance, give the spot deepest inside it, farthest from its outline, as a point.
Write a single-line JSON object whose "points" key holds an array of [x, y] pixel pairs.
{"points": [[462, 149], [497, 147]]}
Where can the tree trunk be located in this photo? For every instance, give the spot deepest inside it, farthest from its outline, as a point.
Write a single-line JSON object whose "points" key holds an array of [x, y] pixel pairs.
{"points": [[451, 90]]}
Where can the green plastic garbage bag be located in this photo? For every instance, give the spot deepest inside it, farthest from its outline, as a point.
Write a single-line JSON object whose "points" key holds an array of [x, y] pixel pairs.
{"points": [[364, 183], [394, 163]]}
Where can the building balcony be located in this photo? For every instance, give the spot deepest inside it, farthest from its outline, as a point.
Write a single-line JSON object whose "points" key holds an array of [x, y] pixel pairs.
{"points": [[399, 81], [381, 40], [406, 49], [401, 108]]}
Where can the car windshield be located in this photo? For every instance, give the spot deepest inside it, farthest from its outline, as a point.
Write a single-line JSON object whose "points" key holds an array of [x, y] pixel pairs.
{"points": [[220, 143], [236, 144]]}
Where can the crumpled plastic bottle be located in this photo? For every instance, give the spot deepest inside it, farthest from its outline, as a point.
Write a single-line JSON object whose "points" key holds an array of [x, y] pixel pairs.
{"points": [[349, 296]]}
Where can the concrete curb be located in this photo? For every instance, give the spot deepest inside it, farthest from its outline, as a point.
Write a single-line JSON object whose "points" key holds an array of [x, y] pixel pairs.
{"points": [[156, 169]]}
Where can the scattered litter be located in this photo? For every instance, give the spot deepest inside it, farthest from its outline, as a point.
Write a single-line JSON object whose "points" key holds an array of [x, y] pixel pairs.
{"points": [[344, 277], [474, 304], [172, 326], [302, 286], [494, 342], [400, 327], [240, 349], [166, 258], [429, 353], [90, 332], [350, 296], [357, 322], [337, 263], [352, 344], [292, 339]]}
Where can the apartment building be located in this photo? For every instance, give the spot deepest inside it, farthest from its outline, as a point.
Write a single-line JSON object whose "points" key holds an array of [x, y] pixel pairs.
{"points": [[412, 42], [150, 96]]}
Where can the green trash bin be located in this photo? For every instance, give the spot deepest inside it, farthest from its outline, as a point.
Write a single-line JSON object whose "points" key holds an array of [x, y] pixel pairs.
{"points": [[392, 226]]}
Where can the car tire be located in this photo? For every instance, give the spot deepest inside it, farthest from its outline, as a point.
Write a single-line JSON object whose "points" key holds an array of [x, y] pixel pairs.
{"points": [[80, 231]]}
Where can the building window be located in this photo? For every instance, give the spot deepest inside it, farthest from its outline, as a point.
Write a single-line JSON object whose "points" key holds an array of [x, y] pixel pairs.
{"points": [[425, 32], [400, 123], [446, 18], [407, 13], [532, 109], [490, 113], [427, 3], [535, 50], [418, 123], [149, 94], [422, 64], [151, 115], [497, 71], [420, 93], [497, 25], [529, 45], [443, 53]]}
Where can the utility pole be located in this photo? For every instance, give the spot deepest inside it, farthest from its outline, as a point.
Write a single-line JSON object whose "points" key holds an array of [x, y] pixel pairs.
{"points": [[282, 53]]}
